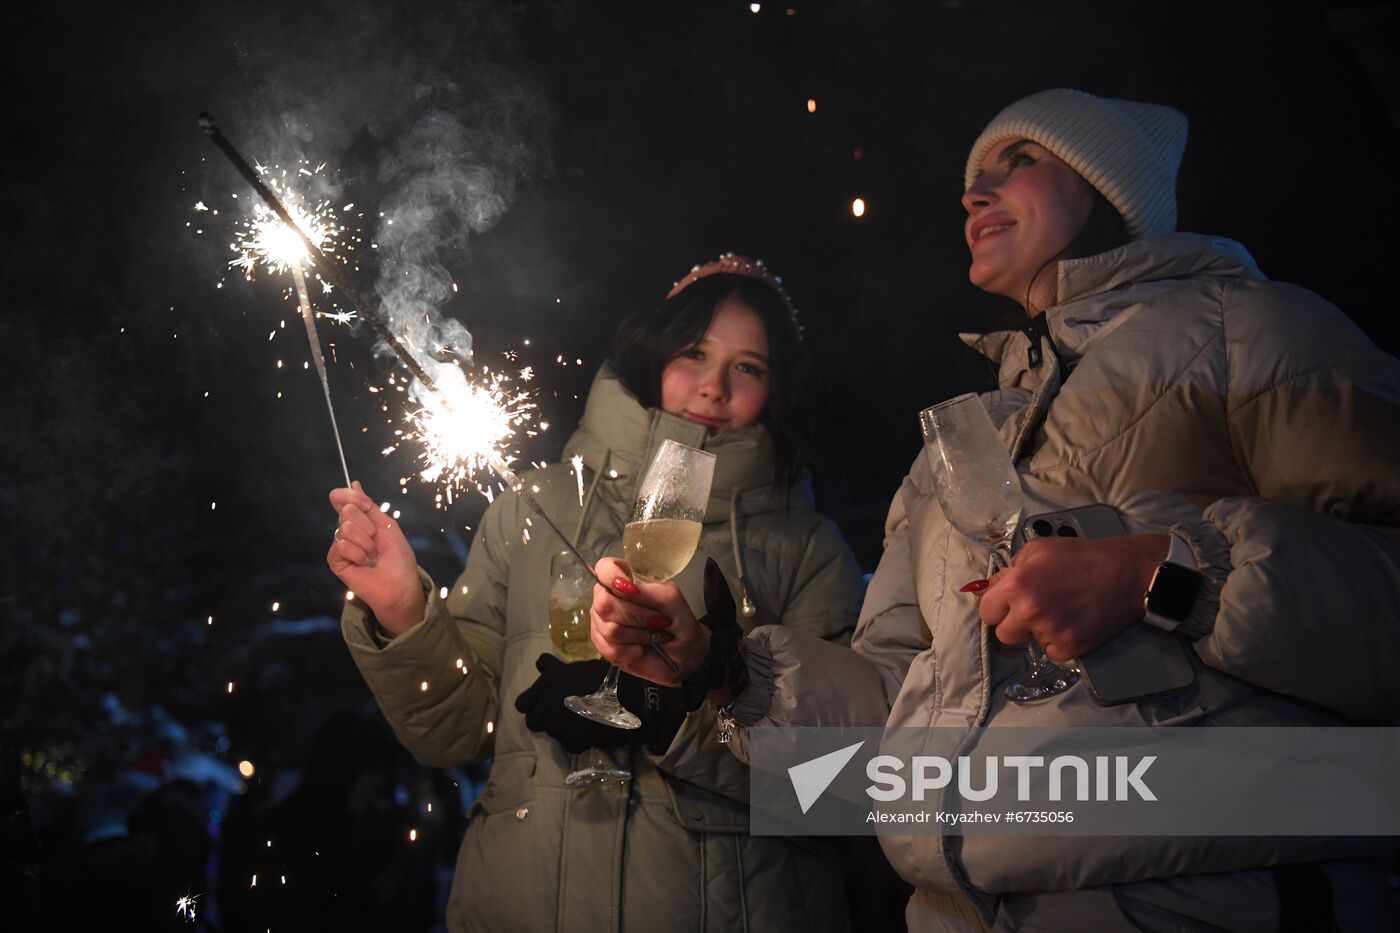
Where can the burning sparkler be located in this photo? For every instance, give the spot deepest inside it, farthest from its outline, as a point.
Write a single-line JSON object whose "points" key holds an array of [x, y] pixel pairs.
{"points": [[265, 238], [456, 457], [282, 246], [464, 426], [329, 271], [185, 907], [499, 410]]}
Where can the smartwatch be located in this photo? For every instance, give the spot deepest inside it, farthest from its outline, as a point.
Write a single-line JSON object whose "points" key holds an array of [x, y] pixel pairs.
{"points": [[1171, 595]]}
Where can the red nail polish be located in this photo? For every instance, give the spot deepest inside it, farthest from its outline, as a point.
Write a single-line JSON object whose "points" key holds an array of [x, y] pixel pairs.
{"points": [[625, 586], [658, 622], [976, 586]]}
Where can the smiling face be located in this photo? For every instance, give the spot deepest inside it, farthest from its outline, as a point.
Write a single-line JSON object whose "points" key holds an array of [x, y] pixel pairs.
{"points": [[1024, 207], [722, 381]]}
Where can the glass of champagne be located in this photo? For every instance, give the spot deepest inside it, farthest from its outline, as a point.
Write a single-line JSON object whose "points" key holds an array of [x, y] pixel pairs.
{"points": [[659, 540], [980, 493], [570, 596]]}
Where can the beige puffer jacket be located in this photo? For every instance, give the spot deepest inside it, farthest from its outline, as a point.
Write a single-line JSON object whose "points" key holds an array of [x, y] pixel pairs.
{"points": [[1249, 417], [671, 850]]}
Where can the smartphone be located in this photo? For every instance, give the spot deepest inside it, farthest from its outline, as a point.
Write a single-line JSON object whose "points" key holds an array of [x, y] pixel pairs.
{"points": [[1142, 662]]}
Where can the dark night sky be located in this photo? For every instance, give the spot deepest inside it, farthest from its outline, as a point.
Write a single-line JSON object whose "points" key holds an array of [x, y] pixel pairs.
{"points": [[625, 142]]}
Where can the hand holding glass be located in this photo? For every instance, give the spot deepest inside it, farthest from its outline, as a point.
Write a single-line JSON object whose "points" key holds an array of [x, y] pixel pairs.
{"points": [[658, 541], [980, 493]]}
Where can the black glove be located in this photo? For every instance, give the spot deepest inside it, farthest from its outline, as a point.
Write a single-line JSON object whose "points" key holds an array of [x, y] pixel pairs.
{"points": [[724, 666], [661, 709]]}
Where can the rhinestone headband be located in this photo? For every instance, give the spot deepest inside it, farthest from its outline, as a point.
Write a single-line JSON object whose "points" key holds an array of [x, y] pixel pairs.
{"points": [[739, 265]]}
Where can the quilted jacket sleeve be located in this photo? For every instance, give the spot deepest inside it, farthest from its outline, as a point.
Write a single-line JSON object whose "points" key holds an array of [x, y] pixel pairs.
{"points": [[791, 673], [1304, 577], [437, 683]]}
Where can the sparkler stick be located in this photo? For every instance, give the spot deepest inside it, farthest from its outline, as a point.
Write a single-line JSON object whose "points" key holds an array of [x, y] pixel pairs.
{"points": [[311, 335]]}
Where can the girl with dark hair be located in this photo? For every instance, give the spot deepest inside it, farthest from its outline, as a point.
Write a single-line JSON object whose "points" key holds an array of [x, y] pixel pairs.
{"points": [[1244, 432], [648, 342], [718, 366]]}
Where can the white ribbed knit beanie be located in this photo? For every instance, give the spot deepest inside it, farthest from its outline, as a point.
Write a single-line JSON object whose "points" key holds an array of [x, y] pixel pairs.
{"points": [[1128, 150]]}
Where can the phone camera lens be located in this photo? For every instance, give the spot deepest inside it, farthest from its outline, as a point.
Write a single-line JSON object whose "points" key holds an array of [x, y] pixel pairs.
{"points": [[1067, 531], [1042, 528]]}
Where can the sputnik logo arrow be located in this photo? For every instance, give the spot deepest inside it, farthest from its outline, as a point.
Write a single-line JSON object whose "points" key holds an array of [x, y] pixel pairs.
{"points": [[811, 778]]}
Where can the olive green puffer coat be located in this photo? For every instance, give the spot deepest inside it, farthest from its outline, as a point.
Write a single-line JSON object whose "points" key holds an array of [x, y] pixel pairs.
{"points": [[670, 850]]}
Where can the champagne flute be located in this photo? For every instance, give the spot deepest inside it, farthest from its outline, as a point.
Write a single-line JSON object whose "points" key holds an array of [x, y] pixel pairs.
{"points": [[981, 497], [659, 540], [570, 596]]}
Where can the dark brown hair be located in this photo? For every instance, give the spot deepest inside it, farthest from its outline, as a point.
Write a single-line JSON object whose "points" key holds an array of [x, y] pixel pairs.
{"points": [[648, 340]]}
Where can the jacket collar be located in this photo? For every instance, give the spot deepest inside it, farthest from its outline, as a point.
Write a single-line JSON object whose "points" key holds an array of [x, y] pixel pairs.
{"points": [[618, 434], [1092, 293]]}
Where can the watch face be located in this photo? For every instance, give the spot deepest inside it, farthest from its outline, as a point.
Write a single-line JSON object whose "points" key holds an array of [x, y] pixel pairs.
{"points": [[1173, 591]]}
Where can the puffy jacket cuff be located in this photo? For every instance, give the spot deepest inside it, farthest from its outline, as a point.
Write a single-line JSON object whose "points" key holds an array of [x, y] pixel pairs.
{"points": [[431, 656], [362, 629], [753, 704], [1212, 553]]}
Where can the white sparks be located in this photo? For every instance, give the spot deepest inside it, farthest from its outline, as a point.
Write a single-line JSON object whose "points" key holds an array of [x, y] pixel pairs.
{"points": [[266, 239], [577, 461], [465, 427], [185, 906], [261, 237]]}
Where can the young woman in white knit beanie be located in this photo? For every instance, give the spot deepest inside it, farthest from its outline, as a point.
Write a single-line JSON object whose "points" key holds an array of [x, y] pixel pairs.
{"points": [[1243, 430]]}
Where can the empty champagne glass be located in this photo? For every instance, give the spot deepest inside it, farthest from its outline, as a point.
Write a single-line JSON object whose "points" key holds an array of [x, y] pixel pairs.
{"points": [[981, 497], [659, 540], [570, 596]]}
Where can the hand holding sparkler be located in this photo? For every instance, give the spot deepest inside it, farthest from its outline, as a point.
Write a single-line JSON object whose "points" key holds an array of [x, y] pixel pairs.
{"points": [[372, 557]]}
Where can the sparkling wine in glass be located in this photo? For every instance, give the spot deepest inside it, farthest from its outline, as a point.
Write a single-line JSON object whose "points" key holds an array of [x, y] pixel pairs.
{"points": [[981, 497], [570, 596], [659, 540]]}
